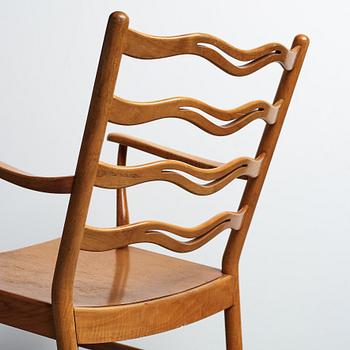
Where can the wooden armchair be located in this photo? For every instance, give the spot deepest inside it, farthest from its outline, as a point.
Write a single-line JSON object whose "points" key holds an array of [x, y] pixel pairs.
{"points": [[89, 288]]}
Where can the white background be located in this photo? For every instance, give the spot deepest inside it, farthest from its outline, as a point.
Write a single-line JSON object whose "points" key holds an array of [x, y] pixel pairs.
{"points": [[295, 265]]}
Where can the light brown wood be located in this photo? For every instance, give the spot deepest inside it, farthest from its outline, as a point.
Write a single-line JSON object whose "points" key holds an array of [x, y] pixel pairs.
{"points": [[253, 187], [62, 287], [144, 46], [25, 313], [131, 113], [119, 277], [161, 151], [109, 176], [115, 277], [58, 290], [122, 202], [20, 178], [96, 239], [155, 316]]}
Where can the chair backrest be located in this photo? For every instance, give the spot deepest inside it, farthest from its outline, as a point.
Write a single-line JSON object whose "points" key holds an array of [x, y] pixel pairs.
{"points": [[105, 107]]}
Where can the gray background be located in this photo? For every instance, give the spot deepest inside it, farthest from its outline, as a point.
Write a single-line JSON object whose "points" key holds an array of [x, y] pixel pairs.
{"points": [[295, 265]]}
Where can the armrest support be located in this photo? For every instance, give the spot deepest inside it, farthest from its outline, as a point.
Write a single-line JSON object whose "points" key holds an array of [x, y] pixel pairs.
{"points": [[161, 151], [61, 184]]}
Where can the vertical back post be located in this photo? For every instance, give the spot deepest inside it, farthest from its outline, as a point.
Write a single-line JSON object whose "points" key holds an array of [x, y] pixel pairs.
{"points": [[252, 191], [103, 91]]}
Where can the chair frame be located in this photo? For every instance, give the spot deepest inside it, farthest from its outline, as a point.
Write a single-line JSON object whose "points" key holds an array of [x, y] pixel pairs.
{"points": [[104, 107]]}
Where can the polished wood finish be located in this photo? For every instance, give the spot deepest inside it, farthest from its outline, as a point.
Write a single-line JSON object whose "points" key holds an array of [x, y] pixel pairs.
{"points": [[96, 239], [132, 113], [144, 46], [109, 176], [161, 151], [122, 202], [253, 188], [23, 179], [154, 316], [62, 287], [116, 277], [81, 289]]}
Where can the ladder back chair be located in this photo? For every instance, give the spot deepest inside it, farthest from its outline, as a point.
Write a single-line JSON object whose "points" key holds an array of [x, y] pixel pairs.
{"points": [[89, 288]]}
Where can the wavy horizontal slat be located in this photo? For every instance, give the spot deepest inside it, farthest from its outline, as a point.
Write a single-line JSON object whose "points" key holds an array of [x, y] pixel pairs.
{"points": [[109, 176], [96, 239], [139, 45], [126, 112]]}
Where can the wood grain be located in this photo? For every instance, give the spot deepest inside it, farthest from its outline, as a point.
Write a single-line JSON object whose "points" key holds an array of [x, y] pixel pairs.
{"points": [[104, 86], [109, 176], [57, 289], [253, 189], [96, 239], [144, 46], [58, 184], [161, 151], [155, 316], [126, 112], [116, 277], [121, 199]]}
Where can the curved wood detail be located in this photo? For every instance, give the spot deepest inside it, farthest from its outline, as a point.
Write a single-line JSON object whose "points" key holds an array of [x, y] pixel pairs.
{"points": [[114, 177], [96, 239], [126, 112], [99, 325], [139, 45], [58, 184], [161, 151]]}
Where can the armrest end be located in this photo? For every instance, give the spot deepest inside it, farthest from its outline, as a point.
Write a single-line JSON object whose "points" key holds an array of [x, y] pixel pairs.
{"points": [[61, 184]]}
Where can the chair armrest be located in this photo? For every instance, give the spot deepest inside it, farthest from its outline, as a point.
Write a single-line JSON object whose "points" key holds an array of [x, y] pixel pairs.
{"points": [[161, 151], [60, 184]]}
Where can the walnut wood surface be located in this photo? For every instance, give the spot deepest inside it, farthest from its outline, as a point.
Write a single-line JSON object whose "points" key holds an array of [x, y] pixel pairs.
{"points": [[62, 184], [131, 113], [58, 290]]}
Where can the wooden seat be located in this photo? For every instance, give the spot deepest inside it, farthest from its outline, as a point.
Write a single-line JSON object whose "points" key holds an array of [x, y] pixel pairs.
{"points": [[118, 277], [90, 288]]}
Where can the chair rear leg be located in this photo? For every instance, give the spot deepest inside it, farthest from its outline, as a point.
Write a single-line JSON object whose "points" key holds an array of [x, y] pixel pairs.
{"points": [[233, 327], [66, 338], [66, 344]]}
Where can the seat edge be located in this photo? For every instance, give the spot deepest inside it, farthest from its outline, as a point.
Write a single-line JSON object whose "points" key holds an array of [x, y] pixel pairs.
{"points": [[115, 323]]}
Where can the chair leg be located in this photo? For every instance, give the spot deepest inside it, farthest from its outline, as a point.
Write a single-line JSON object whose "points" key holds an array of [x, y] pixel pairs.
{"points": [[66, 343], [233, 326], [65, 335]]}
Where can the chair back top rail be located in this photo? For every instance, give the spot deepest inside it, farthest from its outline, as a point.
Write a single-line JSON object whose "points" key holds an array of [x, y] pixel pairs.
{"points": [[143, 46]]}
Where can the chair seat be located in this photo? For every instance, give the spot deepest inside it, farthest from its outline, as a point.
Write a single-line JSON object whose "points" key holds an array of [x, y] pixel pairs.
{"points": [[104, 279], [122, 276]]}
